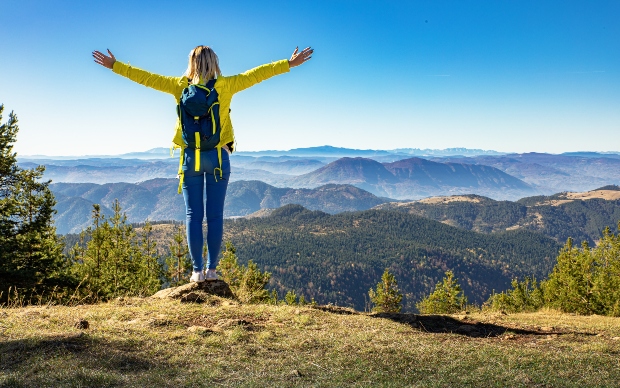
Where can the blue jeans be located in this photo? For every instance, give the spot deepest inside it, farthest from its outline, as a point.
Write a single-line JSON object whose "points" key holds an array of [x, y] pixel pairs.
{"points": [[194, 195]]}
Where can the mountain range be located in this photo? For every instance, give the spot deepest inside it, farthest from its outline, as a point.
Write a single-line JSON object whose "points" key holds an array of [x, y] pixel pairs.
{"points": [[157, 199], [416, 173], [416, 178], [553, 173]]}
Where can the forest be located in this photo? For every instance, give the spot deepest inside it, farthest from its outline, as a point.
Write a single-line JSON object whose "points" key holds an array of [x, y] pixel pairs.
{"points": [[337, 258]]}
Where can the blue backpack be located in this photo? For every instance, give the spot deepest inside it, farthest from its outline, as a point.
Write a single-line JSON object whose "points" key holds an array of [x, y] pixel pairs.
{"points": [[199, 112]]}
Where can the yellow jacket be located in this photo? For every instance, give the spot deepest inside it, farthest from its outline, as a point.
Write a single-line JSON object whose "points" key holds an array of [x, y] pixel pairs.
{"points": [[226, 87]]}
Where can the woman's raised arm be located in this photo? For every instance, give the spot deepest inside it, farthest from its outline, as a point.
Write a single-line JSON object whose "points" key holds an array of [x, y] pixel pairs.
{"points": [[172, 85], [243, 81]]}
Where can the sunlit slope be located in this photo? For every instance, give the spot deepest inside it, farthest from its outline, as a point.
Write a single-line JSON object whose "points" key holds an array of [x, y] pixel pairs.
{"points": [[581, 216]]}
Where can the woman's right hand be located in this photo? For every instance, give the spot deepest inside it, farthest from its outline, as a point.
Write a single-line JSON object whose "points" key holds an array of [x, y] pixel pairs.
{"points": [[299, 58], [103, 59]]}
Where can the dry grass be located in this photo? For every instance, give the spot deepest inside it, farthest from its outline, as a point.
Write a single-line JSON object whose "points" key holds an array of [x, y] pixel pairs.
{"points": [[609, 195], [448, 199], [147, 342]]}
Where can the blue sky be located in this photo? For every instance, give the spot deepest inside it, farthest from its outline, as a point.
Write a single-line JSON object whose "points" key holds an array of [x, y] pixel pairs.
{"points": [[517, 76]]}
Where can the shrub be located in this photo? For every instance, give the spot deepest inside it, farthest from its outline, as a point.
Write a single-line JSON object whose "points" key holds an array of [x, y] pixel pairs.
{"points": [[291, 298], [448, 297], [247, 283], [525, 296]]}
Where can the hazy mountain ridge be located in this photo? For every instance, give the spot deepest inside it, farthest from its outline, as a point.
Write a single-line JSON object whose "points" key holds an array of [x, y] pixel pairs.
{"points": [[544, 173], [157, 199], [416, 178], [553, 173]]}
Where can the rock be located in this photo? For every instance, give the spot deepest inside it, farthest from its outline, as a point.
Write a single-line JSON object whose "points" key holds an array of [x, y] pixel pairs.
{"points": [[81, 324], [330, 308], [211, 287], [615, 338], [192, 297], [199, 329], [161, 294], [227, 323], [546, 328], [295, 373], [159, 322]]}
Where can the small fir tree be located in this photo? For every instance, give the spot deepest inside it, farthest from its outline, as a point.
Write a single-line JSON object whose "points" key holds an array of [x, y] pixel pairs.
{"points": [[386, 298], [587, 280], [291, 298], [247, 283], [113, 262], [607, 282], [448, 297], [570, 287], [525, 296], [178, 263], [152, 267]]}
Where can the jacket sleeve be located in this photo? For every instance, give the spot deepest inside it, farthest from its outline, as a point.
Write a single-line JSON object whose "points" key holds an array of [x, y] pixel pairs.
{"points": [[237, 83], [172, 85]]}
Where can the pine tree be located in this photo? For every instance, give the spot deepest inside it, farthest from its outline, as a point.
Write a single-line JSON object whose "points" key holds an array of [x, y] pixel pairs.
{"points": [[113, 262], [607, 281], [31, 258], [291, 298], [448, 297], [247, 283], [525, 296], [152, 269], [587, 280], [178, 263], [386, 298], [229, 268], [570, 287]]}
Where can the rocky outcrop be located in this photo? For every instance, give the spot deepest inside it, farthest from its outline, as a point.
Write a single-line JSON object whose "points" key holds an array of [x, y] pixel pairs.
{"points": [[196, 292]]}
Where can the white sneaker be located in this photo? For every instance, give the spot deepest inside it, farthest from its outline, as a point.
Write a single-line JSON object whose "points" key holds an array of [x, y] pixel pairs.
{"points": [[197, 276], [211, 275]]}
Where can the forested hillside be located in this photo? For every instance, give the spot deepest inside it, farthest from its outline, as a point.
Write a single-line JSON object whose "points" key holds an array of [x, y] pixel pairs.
{"points": [[581, 216], [338, 258]]}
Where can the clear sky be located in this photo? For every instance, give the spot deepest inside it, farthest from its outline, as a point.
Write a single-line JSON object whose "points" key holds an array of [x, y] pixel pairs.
{"points": [[517, 76]]}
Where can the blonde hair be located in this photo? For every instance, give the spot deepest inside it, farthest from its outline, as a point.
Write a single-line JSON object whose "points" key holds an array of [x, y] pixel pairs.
{"points": [[203, 65]]}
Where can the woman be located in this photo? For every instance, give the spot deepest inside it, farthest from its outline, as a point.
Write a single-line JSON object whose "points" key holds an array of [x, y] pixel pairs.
{"points": [[213, 165]]}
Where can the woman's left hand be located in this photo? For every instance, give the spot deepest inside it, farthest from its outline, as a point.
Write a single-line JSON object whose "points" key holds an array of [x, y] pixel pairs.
{"points": [[300, 57]]}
